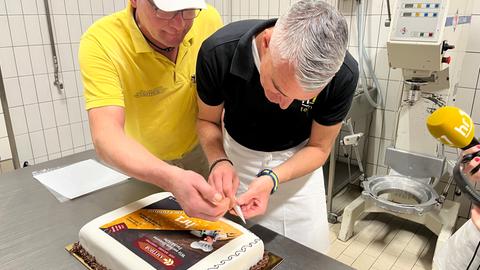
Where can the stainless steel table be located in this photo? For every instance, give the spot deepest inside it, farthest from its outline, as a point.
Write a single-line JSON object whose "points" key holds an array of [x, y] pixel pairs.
{"points": [[35, 227]]}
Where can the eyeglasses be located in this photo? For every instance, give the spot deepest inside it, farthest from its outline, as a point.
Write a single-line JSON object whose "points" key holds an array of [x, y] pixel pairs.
{"points": [[187, 14]]}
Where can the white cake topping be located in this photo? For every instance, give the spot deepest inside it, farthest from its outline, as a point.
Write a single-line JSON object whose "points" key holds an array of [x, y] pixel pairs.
{"points": [[239, 253]]}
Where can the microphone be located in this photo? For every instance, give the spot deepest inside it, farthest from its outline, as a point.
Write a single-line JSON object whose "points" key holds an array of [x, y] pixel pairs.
{"points": [[453, 127]]}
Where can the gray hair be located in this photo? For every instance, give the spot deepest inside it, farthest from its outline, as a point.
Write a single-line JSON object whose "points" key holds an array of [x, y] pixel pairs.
{"points": [[313, 36]]}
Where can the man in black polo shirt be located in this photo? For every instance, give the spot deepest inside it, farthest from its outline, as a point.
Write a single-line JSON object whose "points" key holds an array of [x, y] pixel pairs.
{"points": [[284, 86]]}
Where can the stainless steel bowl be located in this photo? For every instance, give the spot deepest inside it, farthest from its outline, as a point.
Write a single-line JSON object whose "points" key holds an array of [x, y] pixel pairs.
{"points": [[400, 194]]}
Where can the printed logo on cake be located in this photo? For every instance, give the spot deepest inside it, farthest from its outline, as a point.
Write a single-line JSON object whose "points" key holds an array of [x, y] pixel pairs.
{"points": [[165, 237], [116, 228], [158, 253]]}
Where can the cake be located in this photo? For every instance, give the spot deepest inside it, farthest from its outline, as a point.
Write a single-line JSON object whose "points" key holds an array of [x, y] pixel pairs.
{"points": [[154, 233]]}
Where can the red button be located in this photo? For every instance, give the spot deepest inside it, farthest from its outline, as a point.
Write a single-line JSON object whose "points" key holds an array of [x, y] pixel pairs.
{"points": [[447, 60]]}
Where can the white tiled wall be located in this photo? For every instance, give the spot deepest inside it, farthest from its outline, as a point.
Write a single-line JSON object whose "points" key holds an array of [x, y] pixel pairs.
{"points": [[234, 10], [47, 123]]}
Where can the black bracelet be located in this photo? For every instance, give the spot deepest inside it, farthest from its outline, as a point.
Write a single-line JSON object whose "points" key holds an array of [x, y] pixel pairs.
{"points": [[218, 161]]}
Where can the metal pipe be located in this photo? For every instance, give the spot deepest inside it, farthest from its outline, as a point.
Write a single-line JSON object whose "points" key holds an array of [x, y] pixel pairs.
{"points": [[57, 81], [8, 124], [331, 179], [389, 19], [355, 146]]}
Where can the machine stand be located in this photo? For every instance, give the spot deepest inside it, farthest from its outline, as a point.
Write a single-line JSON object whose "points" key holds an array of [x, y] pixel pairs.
{"points": [[439, 221]]}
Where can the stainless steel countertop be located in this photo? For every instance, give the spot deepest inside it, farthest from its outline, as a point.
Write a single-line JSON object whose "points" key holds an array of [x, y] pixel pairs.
{"points": [[35, 227]]}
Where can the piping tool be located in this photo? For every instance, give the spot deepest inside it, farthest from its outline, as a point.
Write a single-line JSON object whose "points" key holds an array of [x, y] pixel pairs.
{"points": [[239, 212]]}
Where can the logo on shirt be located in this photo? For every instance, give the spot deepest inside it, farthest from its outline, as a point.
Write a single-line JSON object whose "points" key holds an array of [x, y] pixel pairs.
{"points": [[307, 105], [149, 93]]}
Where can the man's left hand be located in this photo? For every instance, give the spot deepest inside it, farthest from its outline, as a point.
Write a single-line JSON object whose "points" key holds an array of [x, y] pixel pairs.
{"points": [[254, 201]]}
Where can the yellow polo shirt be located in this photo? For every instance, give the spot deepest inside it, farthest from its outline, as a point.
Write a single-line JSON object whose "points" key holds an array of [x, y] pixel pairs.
{"points": [[120, 68]]}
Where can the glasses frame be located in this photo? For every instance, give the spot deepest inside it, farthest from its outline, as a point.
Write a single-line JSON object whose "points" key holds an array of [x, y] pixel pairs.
{"points": [[168, 15]]}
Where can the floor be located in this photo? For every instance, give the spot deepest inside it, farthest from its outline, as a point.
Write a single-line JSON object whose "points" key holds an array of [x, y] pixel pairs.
{"points": [[382, 241]]}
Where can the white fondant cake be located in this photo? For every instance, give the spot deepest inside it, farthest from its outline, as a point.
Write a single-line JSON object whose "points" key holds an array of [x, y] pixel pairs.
{"points": [[153, 233]]}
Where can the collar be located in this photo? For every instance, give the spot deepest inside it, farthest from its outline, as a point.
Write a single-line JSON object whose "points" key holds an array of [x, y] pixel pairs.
{"points": [[256, 56], [243, 64], [140, 43]]}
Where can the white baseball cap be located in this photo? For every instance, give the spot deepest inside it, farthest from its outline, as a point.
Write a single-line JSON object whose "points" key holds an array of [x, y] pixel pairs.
{"points": [[174, 5]]}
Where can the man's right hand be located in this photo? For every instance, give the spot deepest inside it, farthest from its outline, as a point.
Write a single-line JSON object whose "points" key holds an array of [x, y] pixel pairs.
{"points": [[194, 194], [224, 179], [197, 198]]}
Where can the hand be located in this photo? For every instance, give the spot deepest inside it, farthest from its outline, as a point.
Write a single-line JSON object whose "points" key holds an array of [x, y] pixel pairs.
{"points": [[475, 212], [225, 181], [473, 163], [197, 198], [254, 201]]}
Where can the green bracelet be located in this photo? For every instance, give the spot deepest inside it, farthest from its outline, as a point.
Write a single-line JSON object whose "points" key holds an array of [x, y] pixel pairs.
{"points": [[272, 175]]}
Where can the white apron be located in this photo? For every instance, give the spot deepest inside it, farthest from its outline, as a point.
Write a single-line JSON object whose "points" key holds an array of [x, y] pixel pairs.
{"points": [[298, 209]]}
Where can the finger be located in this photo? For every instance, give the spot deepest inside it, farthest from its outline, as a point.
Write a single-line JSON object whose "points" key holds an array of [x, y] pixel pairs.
{"points": [[216, 182], [227, 186], [232, 202], [246, 203], [252, 210], [472, 150], [245, 198], [219, 184], [236, 183], [472, 164], [475, 161], [232, 192], [211, 180], [210, 212], [218, 210], [207, 192], [252, 192], [206, 217], [199, 210]]}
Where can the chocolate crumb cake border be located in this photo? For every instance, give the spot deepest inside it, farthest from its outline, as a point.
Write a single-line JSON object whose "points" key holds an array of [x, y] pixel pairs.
{"points": [[89, 261]]}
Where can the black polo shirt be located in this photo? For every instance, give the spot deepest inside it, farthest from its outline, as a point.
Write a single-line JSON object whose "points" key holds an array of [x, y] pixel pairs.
{"points": [[226, 73]]}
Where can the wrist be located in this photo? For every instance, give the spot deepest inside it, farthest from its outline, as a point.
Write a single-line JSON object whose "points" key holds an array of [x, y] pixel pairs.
{"points": [[273, 177], [266, 183], [215, 162], [167, 176]]}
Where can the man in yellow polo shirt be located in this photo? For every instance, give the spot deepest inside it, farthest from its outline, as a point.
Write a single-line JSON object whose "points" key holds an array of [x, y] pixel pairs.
{"points": [[138, 71]]}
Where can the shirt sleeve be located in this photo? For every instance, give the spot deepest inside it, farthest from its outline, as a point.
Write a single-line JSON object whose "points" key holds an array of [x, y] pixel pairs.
{"points": [[334, 103], [101, 82], [460, 250], [208, 78], [208, 88]]}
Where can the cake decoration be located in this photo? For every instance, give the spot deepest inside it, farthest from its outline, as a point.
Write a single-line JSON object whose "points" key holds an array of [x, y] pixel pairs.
{"points": [[155, 233]]}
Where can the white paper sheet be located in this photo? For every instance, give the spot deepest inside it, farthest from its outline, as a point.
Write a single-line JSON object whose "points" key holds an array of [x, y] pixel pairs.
{"points": [[79, 178]]}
